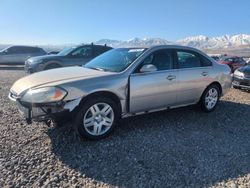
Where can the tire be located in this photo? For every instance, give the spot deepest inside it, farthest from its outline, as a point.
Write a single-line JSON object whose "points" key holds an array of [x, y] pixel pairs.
{"points": [[100, 125], [236, 87], [52, 66], [210, 98]]}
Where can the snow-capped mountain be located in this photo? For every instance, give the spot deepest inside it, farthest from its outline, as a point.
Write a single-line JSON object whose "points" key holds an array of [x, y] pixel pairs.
{"points": [[224, 41], [138, 42], [200, 41]]}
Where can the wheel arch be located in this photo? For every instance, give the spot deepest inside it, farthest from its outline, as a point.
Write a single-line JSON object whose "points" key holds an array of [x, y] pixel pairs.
{"points": [[49, 63], [213, 83], [104, 94]]}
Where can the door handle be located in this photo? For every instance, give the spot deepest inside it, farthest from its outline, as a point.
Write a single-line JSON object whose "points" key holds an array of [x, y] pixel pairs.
{"points": [[204, 73], [171, 77]]}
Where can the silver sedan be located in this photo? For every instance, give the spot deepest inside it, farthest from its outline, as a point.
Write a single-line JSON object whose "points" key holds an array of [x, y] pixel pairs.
{"points": [[120, 83]]}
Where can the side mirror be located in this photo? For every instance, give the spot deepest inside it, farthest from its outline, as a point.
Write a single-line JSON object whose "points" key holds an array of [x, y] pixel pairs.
{"points": [[148, 68]]}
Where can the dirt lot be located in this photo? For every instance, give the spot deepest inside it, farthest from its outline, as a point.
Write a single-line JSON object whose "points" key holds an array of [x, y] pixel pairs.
{"points": [[177, 148]]}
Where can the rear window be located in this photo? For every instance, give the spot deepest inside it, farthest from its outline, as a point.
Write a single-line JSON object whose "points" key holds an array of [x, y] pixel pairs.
{"points": [[188, 60]]}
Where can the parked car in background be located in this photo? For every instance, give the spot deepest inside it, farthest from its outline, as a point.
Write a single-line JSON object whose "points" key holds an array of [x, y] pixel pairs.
{"points": [[17, 55], [241, 78], [216, 58], [233, 62], [74, 56], [120, 83]]}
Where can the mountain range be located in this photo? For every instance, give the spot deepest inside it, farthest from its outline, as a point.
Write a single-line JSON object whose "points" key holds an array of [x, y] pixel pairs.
{"points": [[226, 44], [200, 41]]}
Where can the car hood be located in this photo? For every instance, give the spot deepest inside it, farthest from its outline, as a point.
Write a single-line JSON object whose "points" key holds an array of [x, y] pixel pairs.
{"points": [[61, 75], [245, 69], [44, 57]]}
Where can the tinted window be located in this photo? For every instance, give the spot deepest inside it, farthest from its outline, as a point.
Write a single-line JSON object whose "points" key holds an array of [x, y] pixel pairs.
{"points": [[205, 62], [85, 51], [161, 59], [100, 49], [33, 50], [15, 50], [188, 60]]}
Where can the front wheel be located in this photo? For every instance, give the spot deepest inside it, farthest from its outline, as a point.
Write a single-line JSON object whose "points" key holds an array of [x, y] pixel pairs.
{"points": [[97, 118], [52, 66], [210, 98]]}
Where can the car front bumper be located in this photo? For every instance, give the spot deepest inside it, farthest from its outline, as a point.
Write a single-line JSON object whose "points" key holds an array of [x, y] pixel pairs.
{"points": [[241, 82], [43, 112]]}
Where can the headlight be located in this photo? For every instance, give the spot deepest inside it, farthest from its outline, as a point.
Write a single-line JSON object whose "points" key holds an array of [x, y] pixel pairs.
{"points": [[238, 73], [44, 95], [31, 61]]}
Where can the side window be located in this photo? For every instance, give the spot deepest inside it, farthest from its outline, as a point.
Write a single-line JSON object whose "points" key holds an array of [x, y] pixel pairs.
{"points": [[83, 52], [99, 50], [15, 50], [188, 60], [26, 50], [205, 62], [30, 50], [161, 59]]}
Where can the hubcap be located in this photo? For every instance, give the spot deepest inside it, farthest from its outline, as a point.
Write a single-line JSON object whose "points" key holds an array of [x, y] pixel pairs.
{"points": [[98, 119], [211, 98]]}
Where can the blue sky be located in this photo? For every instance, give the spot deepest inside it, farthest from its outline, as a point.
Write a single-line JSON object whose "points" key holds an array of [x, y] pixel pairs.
{"points": [[77, 21]]}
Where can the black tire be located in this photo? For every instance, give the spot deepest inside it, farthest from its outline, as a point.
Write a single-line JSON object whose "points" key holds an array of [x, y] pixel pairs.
{"points": [[79, 127], [202, 102], [52, 66], [236, 87]]}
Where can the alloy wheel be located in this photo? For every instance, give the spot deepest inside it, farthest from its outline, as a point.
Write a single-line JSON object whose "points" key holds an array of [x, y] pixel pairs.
{"points": [[98, 119], [211, 98]]}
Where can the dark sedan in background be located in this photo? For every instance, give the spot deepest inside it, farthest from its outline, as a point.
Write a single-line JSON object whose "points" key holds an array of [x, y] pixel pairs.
{"points": [[74, 56], [241, 78], [17, 55]]}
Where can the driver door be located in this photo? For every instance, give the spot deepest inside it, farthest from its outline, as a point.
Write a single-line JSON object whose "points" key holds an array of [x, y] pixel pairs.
{"points": [[156, 89]]}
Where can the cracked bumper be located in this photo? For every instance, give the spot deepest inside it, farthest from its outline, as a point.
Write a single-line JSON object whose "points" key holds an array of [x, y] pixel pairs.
{"points": [[43, 112]]}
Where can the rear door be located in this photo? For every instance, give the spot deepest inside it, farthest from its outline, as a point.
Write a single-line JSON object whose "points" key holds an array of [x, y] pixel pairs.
{"points": [[154, 90], [194, 75]]}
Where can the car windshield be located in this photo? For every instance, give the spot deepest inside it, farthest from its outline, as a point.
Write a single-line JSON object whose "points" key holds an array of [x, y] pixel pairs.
{"points": [[66, 51], [4, 49], [115, 60]]}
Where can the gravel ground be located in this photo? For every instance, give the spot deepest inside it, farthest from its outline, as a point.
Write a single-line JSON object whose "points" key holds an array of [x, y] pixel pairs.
{"points": [[177, 148]]}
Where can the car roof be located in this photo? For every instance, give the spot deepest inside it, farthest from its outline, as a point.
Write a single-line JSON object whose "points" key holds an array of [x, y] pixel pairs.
{"points": [[96, 45], [23, 46], [164, 46]]}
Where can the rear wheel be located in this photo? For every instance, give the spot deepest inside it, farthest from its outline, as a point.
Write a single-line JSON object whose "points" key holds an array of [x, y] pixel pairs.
{"points": [[210, 98], [97, 118]]}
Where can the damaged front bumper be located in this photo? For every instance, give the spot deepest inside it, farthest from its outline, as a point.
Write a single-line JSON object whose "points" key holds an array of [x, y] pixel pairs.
{"points": [[43, 112]]}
